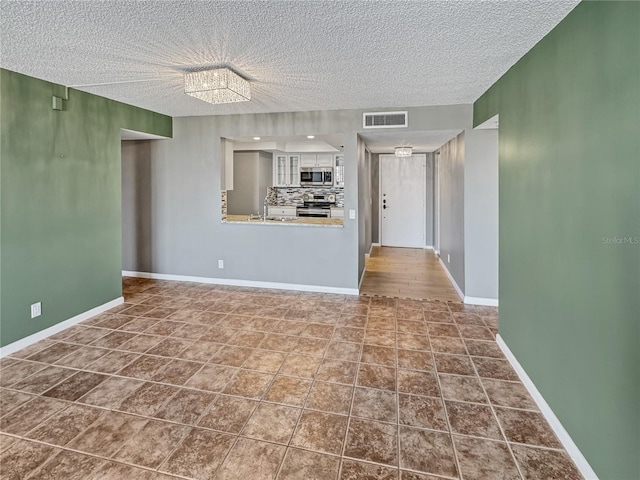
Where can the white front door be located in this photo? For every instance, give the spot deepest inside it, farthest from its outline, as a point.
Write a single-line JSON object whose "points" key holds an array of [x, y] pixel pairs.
{"points": [[402, 200]]}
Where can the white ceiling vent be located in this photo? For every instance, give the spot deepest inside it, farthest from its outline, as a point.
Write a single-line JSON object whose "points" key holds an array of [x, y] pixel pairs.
{"points": [[385, 120]]}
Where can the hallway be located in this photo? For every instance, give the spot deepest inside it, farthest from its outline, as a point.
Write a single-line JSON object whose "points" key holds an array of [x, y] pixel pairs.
{"points": [[406, 273]]}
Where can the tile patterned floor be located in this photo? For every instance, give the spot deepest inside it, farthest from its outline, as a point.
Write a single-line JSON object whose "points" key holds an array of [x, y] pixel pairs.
{"points": [[200, 381]]}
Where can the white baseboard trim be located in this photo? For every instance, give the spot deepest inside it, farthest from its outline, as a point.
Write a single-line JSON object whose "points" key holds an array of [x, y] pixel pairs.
{"points": [[244, 283], [367, 255], [375, 244], [428, 247], [455, 285], [489, 302], [361, 279], [58, 327], [566, 440]]}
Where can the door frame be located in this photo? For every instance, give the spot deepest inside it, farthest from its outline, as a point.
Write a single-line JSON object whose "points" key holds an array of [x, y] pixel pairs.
{"points": [[436, 202], [424, 200]]}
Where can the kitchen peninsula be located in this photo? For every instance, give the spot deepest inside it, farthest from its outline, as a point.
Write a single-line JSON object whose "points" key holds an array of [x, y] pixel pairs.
{"points": [[292, 221]]}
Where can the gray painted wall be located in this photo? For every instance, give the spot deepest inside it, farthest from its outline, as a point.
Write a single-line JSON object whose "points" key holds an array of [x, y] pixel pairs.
{"points": [[188, 237], [375, 198], [252, 173], [468, 196], [481, 213], [243, 199], [451, 191], [363, 199], [429, 200], [366, 193], [265, 177], [136, 205]]}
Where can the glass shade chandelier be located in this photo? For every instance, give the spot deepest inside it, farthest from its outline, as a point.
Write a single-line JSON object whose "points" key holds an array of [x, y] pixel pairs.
{"points": [[218, 85]]}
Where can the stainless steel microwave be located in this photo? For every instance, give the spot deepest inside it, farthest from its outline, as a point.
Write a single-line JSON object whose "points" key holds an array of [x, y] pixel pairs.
{"points": [[316, 176]]}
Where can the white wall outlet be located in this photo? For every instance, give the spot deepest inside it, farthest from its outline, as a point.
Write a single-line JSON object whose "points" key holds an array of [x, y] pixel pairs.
{"points": [[220, 263], [36, 310], [448, 258], [352, 214]]}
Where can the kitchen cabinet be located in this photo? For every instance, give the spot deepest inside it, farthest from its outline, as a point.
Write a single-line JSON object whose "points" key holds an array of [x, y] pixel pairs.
{"points": [[337, 212], [281, 211], [286, 170], [339, 169], [316, 160]]}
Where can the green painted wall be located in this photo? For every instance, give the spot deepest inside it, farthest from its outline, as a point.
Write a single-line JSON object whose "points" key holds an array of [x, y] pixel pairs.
{"points": [[569, 176], [61, 204]]}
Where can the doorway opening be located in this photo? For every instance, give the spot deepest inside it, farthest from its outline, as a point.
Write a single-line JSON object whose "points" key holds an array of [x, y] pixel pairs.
{"points": [[137, 201], [402, 261]]}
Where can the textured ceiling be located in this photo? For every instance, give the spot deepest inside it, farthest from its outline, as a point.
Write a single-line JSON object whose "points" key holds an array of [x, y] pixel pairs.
{"points": [[299, 55]]}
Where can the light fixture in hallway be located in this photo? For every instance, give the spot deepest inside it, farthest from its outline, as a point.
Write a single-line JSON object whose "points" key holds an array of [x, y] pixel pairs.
{"points": [[403, 152]]}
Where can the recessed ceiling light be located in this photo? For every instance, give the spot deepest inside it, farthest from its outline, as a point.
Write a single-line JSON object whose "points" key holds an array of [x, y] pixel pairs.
{"points": [[311, 137], [256, 138]]}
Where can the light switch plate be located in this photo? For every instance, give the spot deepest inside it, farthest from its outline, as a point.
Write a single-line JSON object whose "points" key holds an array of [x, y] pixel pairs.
{"points": [[352, 214]]}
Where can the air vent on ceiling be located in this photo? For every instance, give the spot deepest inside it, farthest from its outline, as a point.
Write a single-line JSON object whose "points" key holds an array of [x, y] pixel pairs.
{"points": [[385, 120]]}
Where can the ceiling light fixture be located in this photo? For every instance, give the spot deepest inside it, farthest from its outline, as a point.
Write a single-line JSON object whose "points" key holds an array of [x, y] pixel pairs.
{"points": [[403, 152], [311, 137], [219, 85], [256, 138]]}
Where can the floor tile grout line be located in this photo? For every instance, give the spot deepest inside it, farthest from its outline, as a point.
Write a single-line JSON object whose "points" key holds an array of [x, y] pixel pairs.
{"points": [[398, 446], [177, 445], [353, 395], [495, 418], [446, 416]]}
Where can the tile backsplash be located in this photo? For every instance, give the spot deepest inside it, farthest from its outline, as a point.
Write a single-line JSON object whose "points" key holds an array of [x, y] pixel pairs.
{"points": [[293, 196], [224, 204]]}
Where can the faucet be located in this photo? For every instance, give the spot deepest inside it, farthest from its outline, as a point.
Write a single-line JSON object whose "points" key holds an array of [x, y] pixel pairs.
{"points": [[265, 207]]}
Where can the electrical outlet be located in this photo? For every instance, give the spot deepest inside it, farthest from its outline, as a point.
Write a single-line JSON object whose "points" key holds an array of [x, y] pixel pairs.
{"points": [[36, 310], [448, 258], [352, 214], [220, 263]]}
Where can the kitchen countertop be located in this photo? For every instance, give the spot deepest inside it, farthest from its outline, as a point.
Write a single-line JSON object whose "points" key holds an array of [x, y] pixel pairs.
{"points": [[294, 222]]}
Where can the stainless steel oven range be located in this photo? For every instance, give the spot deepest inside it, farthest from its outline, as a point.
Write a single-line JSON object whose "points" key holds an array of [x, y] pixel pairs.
{"points": [[316, 205]]}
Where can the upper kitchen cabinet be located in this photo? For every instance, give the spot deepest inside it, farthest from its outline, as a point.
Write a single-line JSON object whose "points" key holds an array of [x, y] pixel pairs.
{"points": [[286, 170], [316, 160], [339, 165]]}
